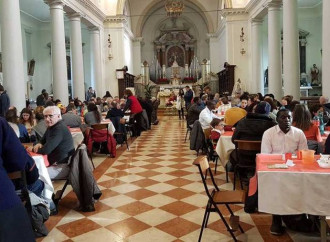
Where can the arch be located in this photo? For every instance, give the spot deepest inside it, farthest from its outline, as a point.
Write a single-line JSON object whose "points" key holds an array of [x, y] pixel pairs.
{"points": [[144, 15], [120, 6]]}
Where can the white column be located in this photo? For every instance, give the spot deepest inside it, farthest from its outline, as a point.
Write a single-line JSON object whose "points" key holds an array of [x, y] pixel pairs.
{"points": [[12, 53], [137, 56], [77, 57], [274, 51], [291, 68], [257, 80], [326, 49], [96, 61], [60, 78]]}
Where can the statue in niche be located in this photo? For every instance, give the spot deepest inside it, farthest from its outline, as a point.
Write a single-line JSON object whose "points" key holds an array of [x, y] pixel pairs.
{"points": [[266, 78], [315, 76]]}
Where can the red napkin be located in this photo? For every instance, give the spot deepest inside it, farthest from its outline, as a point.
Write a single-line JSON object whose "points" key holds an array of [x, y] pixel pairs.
{"points": [[43, 156]]}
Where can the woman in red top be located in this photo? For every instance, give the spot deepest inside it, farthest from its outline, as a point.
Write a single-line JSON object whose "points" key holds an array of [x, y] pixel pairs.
{"points": [[302, 119], [136, 111]]}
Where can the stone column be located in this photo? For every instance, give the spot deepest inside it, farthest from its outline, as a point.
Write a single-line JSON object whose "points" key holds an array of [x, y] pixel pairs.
{"points": [[96, 61], [274, 50], [60, 78], [326, 49], [13, 68], [77, 57], [291, 74], [257, 84]]}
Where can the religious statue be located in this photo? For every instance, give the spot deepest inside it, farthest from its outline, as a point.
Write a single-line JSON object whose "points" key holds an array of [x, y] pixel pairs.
{"points": [[266, 77], [315, 76]]}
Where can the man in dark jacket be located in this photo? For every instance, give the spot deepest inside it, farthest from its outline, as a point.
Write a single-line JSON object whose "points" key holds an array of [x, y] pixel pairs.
{"points": [[193, 111], [14, 222], [252, 127], [188, 96], [41, 98], [57, 143], [4, 101]]}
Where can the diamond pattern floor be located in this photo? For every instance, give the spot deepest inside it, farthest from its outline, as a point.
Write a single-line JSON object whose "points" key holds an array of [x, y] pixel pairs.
{"points": [[153, 193]]}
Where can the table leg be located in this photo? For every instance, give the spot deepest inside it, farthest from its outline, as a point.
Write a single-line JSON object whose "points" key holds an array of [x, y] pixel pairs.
{"points": [[323, 229]]}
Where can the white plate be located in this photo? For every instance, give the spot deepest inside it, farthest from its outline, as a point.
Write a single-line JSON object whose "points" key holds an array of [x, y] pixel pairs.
{"points": [[323, 164]]}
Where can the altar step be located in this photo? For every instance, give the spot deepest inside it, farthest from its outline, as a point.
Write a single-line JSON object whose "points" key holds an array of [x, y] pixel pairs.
{"points": [[167, 111]]}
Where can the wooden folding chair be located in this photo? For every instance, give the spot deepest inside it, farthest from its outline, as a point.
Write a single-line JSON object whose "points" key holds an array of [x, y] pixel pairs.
{"points": [[245, 147], [23, 191], [217, 197]]}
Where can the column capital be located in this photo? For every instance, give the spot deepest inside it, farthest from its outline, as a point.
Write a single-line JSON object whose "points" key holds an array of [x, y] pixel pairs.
{"points": [[74, 16], [273, 5], [55, 4], [256, 21], [94, 30], [138, 39]]}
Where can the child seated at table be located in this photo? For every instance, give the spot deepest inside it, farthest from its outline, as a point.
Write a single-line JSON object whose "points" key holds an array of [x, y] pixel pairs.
{"points": [[217, 130]]}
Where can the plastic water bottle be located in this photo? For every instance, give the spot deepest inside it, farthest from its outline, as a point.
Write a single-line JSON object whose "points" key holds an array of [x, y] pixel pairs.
{"points": [[316, 121], [321, 123]]}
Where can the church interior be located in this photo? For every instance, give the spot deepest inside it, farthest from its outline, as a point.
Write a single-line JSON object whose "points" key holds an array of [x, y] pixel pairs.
{"points": [[152, 191]]}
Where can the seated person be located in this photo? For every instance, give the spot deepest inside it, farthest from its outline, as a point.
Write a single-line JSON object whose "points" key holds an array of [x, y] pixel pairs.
{"points": [[206, 116], [280, 139], [19, 129], [225, 105], [217, 130], [251, 127], [193, 111], [93, 116], [233, 115], [302, 119], [14, 222], [40, 128], [57, 143], [114, 111], [26, 118], [70, 118], [327, 146]]}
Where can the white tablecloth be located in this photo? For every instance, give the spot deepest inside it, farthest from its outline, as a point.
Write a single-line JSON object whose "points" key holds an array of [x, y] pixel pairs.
{"points": [[286, 192], [111, 127], [224, 148], [78, 138], [44, 176]]}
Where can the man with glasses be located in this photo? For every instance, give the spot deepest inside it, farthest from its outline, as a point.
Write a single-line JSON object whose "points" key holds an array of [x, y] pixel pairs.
{"points": [[57, 143]]}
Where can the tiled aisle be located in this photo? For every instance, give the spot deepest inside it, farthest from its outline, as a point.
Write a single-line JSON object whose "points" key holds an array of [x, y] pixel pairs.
{"points": [[152, 193]]}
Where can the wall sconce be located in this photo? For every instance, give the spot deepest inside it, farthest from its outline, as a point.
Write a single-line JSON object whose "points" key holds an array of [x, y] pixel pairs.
{"points": [[110, 57], [241, 38]]}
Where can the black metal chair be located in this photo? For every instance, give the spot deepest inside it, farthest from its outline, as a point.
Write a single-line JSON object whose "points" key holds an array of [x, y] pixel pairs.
{"points": [[217, 197]]}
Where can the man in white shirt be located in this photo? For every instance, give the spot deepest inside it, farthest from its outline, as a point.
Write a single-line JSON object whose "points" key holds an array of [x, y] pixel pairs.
{"points": [[280, 139], [206, 116]]}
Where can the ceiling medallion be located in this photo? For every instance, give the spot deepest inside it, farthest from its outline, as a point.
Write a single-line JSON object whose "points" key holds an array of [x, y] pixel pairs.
{"points": [[174, 8]]}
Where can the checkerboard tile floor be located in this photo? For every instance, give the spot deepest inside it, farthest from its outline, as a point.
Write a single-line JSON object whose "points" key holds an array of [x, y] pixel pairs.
{"points": [[153, 193]]}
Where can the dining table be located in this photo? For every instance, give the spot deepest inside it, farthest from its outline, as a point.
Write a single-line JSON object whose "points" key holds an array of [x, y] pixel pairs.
{"points": [[224, 147], [298, 189], [77, 136]]}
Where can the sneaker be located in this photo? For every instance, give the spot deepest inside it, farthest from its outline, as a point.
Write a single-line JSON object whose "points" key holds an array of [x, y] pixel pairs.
{"points": [[277, 230]]}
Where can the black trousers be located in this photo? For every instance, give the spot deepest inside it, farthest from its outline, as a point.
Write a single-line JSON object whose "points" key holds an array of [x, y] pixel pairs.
{"points": [[15, 225]]}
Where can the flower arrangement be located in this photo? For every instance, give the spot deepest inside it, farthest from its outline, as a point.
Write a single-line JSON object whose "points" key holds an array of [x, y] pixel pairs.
{"points": [[188, 79], [163, 80]]}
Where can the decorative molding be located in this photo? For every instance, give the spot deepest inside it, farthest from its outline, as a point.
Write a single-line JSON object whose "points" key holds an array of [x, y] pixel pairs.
{"points": [[256, 21], [116, 19], [273, 4], [89, 6], [232, 11], [138, 39]]}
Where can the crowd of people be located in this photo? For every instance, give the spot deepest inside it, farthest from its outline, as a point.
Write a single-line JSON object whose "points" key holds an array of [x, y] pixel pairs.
{"points": [[284, 126]]}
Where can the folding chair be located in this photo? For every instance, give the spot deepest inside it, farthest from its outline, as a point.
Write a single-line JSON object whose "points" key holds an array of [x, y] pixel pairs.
{"points": [[98, 133], [217, 197], [121, 133], [23, 192], [189, 128], [247, 147]]}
